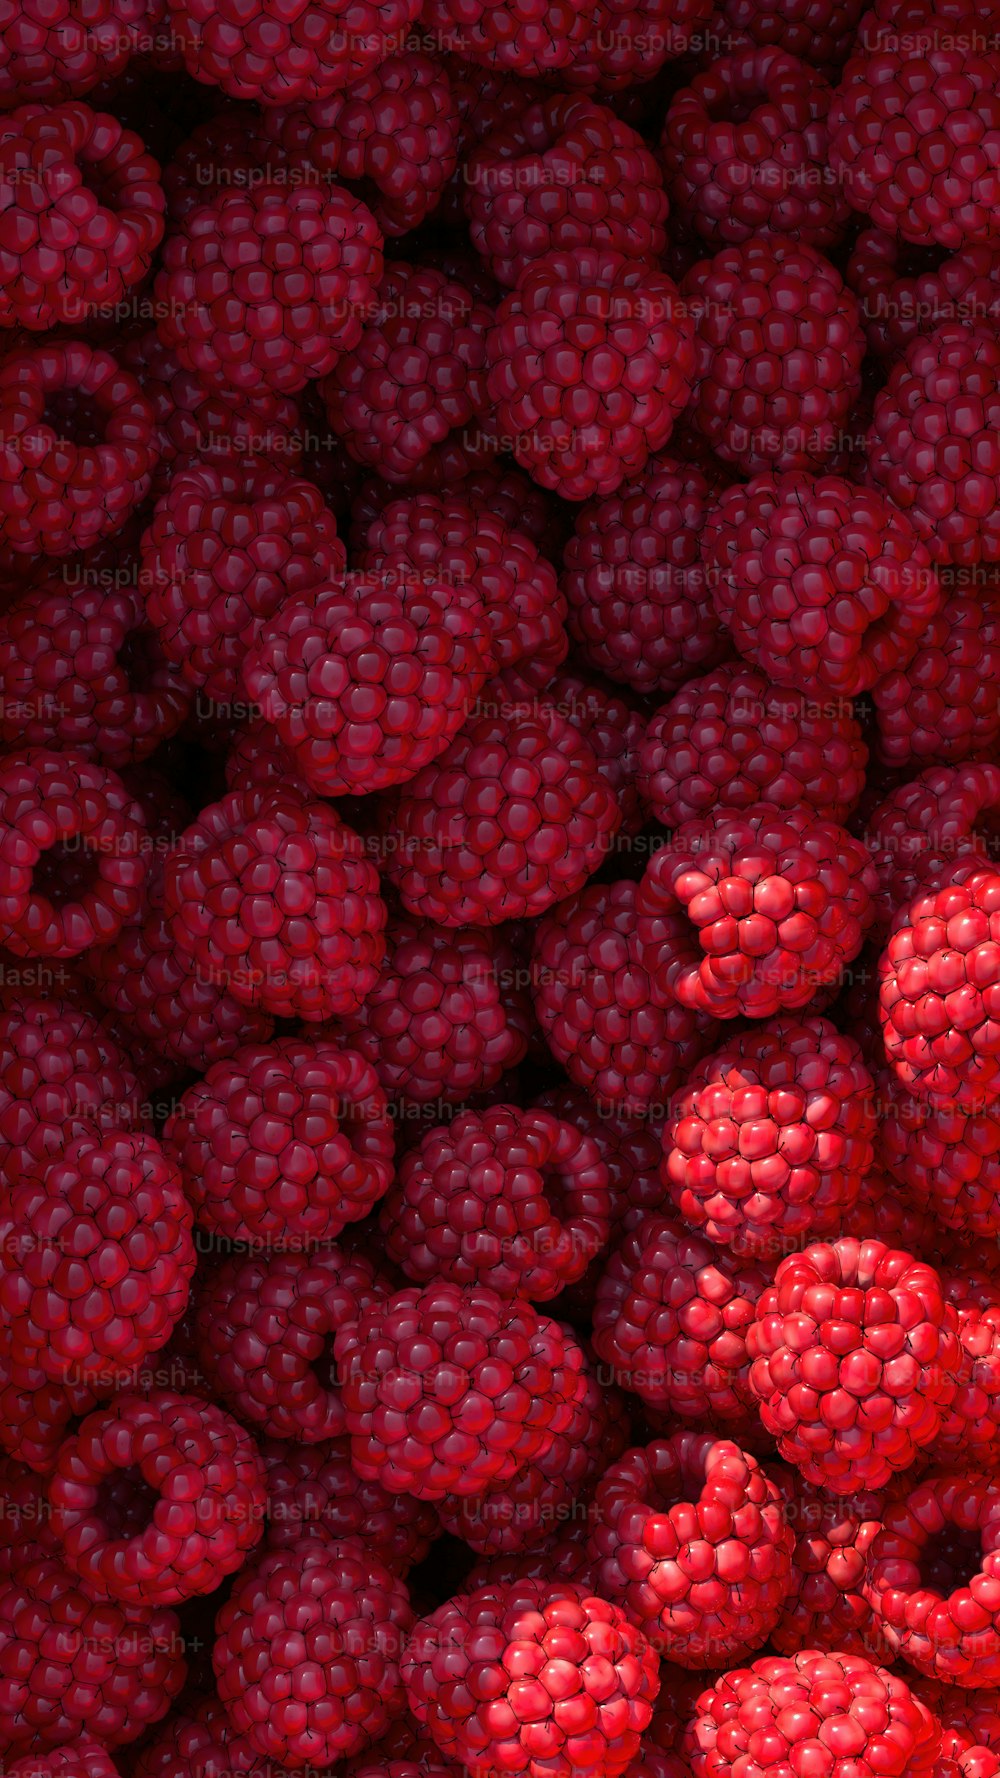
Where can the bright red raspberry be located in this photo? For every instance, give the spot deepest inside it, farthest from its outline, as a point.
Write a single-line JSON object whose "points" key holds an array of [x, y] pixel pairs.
{"points": [[273, 896], [56, 52], [926, 829], [512, 36], [639, 606], [773, 903], [773, 1137], [313, 1492], [825, 1606], [283, 1144], [939, 992], [531, 1677], [689, 1538], [505, 822], [450, 1389], [262, 290], [290, 53], [945, 1156], [307, 1651], [671, 1319], [264, 1327], [62, 1072], [778, 354], [591, 360], [855, 1359], [901, 296], [944, 475], [932, 1578], [77, 447], [629, 41], [944, 706], [744, 150]]}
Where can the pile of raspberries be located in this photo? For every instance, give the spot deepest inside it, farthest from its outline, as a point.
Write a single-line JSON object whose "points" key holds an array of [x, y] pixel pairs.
{"points": [[500, 889]]}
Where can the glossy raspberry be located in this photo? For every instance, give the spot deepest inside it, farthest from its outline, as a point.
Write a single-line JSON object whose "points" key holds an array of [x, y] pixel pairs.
{"points": [[943, 819], [36, 1414], [933, 447], [505, 822], [689, 1538], [291, 53], [273, 897], [901, 296], [62, 1073], [512, 36], [450, 1389], [590, 362], [264, 289], [671, 1319], [25, 1528], [197, 1741], [307, 1651], [772, 904], [313, 1492], [970, 1430], [946, 1156], [778, 354], [854, 1361], [938, 989], [78, 447], [639, 607], [55, 52], [629, 41], [532, 1678], [945, 704], [825, 1606]]}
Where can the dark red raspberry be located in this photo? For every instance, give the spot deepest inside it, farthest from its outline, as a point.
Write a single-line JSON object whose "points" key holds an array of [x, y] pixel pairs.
{"points": [[734, 737], [932, 1577], [564, 173], [745, 148], [62, 1073], [773, 1137], [782, 1712], [939, 992], [291, 53], [901, 296], [671, 1319], [509, 1677], [185, 1512], [825, 1606], [235, 149], [274, 897], [196, 1741], [560, 1556], [449, 1014], [464, 544], [307, 1652], [487, 99], [262, 290], [933, 445], [35, 1414], [630, 1147], [500, 490], [257, 760], [822, 583], [820, 31], [855, 1359], [314, 1492], [929, 827], [505, 822], [283, 1144], [614, 372], [890, 1213], [773, 903], [944, 705], [613, 725], [512, 36], [898, 103], [77, 447], [629, 41], [690, 1539], [56, 52], [226, 546], [83, 215], [25, 1525], [78, 1759], [639, 607], [264, 1328], [778, 354], [945, 1156], [450, 1389]]}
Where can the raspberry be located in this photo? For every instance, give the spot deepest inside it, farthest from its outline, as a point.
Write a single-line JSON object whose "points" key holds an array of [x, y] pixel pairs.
{"points": [[778, 354], [288, 54], [264, 1327], [748, 911], [309, 259], [273, 897], [191, 1505], [560, 1556], [25, 1529], [514, 1200], [79, 1759], [564, 173], [83, 215], [226, 546], [854, 1361], [590, 362], [531, 1678], [595, 1004], [450, 1389], [56, 52], [196, 1742], [689, 1538], [969, 1434], [944, 705], [946, 1157], [933, 446], [930, 826], [931, 1578], [885, 1212], [314, 1492], [613, 725], [257, 760], [505, 822], [825, 1607], [283, 1144], [236, 147], [896, 108], [74, 861], [307, 1651], [773, 1137], [639, 608], [819, 31], [973, 1714], [744, 151], [784, 1711], [671, 1317], [62, 1074], [448, 1015], [512, 36], [938, 993], [367, 679], [35, 1414], [629, 1146], [630, 40], [901, 297], [77, 448]]}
